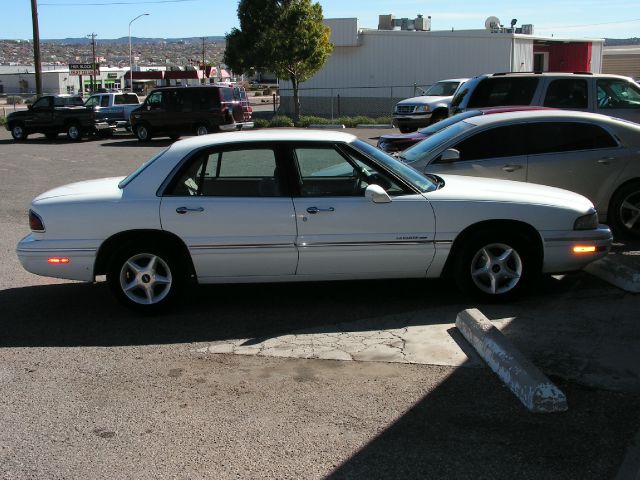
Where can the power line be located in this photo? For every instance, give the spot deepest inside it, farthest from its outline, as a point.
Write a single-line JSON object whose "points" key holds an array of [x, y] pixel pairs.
{"points": [[77, 4]]}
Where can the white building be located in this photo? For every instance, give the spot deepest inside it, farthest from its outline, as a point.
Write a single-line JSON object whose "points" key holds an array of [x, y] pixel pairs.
{"points": [[370, 70]]}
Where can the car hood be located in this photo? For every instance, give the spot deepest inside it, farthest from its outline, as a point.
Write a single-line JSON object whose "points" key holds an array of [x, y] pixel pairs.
{"points": [[424, 99], [101, 189], [462, 188]]}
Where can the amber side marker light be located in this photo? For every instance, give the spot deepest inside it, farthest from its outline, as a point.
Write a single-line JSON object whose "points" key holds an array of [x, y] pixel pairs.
{"points": [[584, 249], [58, 260]]}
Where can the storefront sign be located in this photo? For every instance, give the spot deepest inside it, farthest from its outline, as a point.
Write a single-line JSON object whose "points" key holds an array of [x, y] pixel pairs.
{"points": [[84, 69]]}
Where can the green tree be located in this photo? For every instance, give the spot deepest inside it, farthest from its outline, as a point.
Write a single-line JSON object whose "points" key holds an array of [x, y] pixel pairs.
{"points": [[286, 37]]}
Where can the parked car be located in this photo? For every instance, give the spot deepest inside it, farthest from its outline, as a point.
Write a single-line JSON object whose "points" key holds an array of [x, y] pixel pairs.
{"points": [[176, 111], [431, 107], [594, 155], [113, 108], [612, 95], [52, 115], [240, 94], [399, 142], [299, 205]]}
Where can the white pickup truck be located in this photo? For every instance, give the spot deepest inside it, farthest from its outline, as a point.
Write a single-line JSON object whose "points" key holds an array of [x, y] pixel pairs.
{"points": [[113, 107]]}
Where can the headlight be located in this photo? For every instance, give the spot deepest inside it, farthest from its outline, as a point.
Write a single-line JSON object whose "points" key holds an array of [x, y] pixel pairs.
{"points": [[422, 108], [587, 222]]}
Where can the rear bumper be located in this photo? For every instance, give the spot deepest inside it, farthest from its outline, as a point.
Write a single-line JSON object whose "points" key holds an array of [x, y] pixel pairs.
{"points": [[236, 126]]}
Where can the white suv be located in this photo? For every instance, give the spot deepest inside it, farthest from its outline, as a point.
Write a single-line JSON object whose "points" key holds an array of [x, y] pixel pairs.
{"points": [[611, 95], [430, 107]]}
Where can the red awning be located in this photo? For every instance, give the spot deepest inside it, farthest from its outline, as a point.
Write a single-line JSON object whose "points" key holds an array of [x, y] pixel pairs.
{"points": [[183, 75]]}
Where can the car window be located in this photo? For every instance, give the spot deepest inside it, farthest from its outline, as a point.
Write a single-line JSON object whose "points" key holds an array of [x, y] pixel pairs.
{"points": [[126, 99], [503, 141], [617, 93], [42, 103], [155, 100], [227, 94], [104, 101], [442, 89], [67, 102], [499, 91], [92, 101], [324, 171], [567, 93], [552, 137], [229, 173]]}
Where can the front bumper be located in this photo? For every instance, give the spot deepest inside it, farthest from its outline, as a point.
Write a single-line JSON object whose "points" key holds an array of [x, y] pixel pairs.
{"points": [[417, 120], [559, 256], [34, 256]]}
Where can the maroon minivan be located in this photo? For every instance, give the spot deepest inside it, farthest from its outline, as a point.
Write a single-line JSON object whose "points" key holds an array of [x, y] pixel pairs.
{"points": [[176, 111]]}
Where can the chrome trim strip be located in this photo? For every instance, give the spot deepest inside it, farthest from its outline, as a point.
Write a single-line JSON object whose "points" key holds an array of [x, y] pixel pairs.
{"points": [[56, 250], [362, 244], [221, 247], [443, 242]]}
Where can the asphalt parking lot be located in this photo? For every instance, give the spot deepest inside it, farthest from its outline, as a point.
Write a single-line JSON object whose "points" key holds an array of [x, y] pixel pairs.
{"points": [[334, 380]]}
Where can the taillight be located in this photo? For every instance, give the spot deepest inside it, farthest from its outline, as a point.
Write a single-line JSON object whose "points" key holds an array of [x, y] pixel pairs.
{"points": [[35, 222]]}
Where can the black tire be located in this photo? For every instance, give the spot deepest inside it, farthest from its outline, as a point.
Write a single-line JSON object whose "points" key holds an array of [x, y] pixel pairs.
{"points": [[624, 212], [18, 132], [202, 129], [51, 135], [74, 132], [495, 266], [407, 129], [155, 277], [143, 132], [438, 117]]}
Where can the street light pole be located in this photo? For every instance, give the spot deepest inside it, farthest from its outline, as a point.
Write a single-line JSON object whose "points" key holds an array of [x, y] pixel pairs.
{"points": [[130, 57]]}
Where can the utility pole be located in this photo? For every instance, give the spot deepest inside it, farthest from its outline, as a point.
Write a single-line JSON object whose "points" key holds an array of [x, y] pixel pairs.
{"points": [[203, 67], [36, 46], [93, 61]]}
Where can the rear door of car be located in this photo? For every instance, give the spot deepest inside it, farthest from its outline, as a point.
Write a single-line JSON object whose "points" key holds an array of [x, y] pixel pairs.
{"points": [[494, 152], [232, 208], [580, 156], [343, 234]]}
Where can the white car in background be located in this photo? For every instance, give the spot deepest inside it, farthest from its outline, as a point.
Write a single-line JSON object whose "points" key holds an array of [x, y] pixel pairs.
{"points": [[299, 205]]}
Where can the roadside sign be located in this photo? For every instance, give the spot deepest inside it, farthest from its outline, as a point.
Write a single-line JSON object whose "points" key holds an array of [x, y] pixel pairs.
{"points": [[84, 68]]}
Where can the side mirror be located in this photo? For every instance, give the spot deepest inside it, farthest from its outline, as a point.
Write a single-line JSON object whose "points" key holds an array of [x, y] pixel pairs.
{"points": [[377, 194], [450, 155]]}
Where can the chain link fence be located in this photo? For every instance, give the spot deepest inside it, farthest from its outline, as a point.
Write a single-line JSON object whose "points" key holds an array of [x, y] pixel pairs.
{"points": [[337, 102]]}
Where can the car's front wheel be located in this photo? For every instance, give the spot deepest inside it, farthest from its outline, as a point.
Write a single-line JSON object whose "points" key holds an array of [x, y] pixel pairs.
{"points": [[18, 132], [624, 213], [143, 133], [495, 266], [146, 279], [202, 130]]}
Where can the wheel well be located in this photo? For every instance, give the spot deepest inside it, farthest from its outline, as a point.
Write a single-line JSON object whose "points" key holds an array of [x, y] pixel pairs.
{"points": [[158, 237], [512, 226], [620, 187]]}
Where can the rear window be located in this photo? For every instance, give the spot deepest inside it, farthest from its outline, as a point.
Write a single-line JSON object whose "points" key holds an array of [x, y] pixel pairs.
{"points": [[552, 137], [126, 99], [227, 94], [68, 102], [500, 91]]}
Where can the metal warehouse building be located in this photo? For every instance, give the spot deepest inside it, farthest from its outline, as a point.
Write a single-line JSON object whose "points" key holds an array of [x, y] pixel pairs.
{"points": [[371, 70]]}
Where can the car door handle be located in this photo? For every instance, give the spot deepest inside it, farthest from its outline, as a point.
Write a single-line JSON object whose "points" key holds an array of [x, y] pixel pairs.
{"points": [[182, 210], [314, 210], [606, 160], [511, 168]]}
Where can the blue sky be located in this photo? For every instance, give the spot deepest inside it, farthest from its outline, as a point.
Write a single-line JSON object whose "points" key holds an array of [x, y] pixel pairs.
{"points": [[191, 18]]}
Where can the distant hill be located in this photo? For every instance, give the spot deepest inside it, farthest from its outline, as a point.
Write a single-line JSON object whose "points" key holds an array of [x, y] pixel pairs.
{"points": [[621, 41], [134, 40]]}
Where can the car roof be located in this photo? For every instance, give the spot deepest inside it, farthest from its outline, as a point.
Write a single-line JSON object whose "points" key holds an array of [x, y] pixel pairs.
{"points": [[549, 114], [266, 135], [553, 74], [453, 80]]}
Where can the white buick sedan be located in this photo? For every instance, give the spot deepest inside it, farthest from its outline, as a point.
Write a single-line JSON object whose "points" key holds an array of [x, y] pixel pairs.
{"points": [[298, 205]]}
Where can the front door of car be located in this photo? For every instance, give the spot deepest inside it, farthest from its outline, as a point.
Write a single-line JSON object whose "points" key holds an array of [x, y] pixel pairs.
{"points": [[497, 152], [155, 112], [341, 233], [41, 114], [234, 213], [618, 97], [579, 156]]}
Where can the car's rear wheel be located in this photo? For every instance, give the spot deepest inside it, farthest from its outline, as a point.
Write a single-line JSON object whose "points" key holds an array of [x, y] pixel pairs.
{"points": [[74, 132], [18, 132], [146, 278], [495, 266], [201, 129], [143, 133], [624, 211]]}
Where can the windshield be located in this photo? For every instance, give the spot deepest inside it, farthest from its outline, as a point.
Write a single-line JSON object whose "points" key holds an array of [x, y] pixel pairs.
{"points": [[408, 174], [436, 127], [423, 148], [442, 89], [125, 181]]}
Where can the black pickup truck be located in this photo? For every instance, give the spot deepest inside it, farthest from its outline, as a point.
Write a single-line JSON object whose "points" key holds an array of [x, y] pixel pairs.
{"points": [[54, 114]]}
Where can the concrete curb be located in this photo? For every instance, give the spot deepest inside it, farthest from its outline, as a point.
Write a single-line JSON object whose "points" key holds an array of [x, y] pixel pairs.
{"points": [[332, 126], [368, 125], [525, 380], [616, 273]]}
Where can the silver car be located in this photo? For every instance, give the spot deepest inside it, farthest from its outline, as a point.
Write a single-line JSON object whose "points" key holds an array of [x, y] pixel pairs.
{"points": [[594, 155]]}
